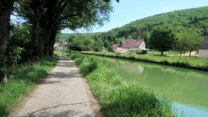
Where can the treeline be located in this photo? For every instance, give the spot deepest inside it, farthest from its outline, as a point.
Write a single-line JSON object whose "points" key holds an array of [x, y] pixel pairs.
{"points": [[86, 42], [161, 38], [42, 19]]}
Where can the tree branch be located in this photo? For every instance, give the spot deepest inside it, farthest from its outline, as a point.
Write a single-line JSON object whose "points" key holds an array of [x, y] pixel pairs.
{"points": [[67, 16]]}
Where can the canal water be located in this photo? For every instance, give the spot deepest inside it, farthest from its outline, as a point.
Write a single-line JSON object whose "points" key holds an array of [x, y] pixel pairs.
{"points": [[187, 89]]}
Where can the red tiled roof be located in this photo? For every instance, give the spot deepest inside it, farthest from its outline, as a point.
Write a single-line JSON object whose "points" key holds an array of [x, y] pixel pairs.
{"points": [[115, 45], [204, 44], [132, 43]]}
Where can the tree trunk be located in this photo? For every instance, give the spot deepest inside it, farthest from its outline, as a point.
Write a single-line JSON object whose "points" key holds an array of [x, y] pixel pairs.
{"points": [[52, 42], [162, 52], [4, 24], [35, 29], [46, 43], [190, 53], [49, 40], [5, 12], [180, 52], [35, 39]]}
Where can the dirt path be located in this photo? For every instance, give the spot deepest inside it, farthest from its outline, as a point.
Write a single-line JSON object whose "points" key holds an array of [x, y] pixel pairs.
{"points": [[64, 93]]}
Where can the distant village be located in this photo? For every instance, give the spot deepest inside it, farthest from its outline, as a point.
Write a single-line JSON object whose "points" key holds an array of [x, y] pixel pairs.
{"points": [[133, 45]]}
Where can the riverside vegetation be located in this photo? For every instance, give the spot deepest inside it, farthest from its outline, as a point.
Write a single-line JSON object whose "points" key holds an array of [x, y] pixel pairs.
{"points": [[186, 62], [118, 99], [23, 79]]}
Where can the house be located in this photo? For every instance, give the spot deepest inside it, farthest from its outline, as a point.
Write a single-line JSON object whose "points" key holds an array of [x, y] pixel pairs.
{"points": [[129, 45], [60, 46], [203, 49]]}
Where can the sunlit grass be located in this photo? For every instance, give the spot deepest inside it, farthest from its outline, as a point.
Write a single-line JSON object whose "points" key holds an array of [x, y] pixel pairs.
{"points": [[24, 78]]}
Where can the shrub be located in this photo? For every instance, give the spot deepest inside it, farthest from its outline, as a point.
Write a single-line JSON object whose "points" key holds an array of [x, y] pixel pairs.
{"points": [[141, 52], [88, 65]]}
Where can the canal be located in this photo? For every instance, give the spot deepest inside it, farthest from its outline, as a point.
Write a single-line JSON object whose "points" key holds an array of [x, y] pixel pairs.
{"points": [[187, 89]]}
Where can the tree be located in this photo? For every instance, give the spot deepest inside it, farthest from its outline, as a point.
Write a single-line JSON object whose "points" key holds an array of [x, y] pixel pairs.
{"points": [[107, 45], [75, 43], [88, 44], [6, 7], [50, 16], [189, 41], [182, 42], [162, 39], [99, 45]]}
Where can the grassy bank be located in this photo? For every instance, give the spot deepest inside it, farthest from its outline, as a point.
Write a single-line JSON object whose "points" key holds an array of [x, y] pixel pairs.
{"points": [[23, 79], [185, 62], [118, 99]]}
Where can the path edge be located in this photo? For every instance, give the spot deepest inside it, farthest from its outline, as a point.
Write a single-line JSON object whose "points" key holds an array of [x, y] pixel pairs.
{"points": [[22, 100]]}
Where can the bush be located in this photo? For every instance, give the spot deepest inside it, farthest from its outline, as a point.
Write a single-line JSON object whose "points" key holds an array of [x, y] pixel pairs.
{"points": [[141, 52], [88, 65]]}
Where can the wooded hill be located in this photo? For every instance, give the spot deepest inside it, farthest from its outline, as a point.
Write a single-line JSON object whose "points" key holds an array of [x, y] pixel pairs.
{"points": [[181, 20]]}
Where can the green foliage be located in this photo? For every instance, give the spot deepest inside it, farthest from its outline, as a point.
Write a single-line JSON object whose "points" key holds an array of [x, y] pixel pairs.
{"points": [[118, 99], [87, 66], [23, 79], [13, 56], [75, 44], [99, 45], [21, 38], [81, 43], [188, 41], [107, 45], [88, 44], [141, 52], [162, 39]]}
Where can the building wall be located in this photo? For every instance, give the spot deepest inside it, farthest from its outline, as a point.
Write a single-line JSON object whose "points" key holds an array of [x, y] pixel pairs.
{"points": [[203, 53], [142, 46]]}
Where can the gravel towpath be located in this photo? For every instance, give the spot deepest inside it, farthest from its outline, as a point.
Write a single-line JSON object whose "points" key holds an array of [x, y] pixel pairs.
{"points": [[64, 93]]}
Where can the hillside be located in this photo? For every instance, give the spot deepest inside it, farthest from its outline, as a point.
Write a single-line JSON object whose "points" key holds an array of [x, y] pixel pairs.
{"points": [[180, 20], [66, 36]]}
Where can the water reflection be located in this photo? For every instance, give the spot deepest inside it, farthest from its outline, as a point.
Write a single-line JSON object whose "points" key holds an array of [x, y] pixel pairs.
{"points": [[141, 69]]}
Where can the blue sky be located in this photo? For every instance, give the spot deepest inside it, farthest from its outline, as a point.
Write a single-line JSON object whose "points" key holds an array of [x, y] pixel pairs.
{"points": [[127, 11]]}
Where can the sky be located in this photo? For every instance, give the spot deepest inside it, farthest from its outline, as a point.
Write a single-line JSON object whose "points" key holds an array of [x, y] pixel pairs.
{"points": [[127, 11]]}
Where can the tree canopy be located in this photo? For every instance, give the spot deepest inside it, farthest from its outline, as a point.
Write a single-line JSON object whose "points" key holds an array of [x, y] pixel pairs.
{"points": [[47, 18], [188, 41], [162, 39]]}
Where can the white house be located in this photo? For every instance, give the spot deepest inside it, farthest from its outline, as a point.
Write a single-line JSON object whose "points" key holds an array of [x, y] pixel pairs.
{"points": [[203, 50], [129, 45]]}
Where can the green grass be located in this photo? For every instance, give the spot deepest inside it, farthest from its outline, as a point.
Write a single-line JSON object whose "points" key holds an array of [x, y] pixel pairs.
{"points": [[179, 61], [24, 78], [118, 99]]}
